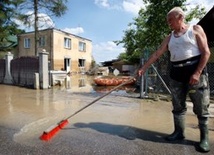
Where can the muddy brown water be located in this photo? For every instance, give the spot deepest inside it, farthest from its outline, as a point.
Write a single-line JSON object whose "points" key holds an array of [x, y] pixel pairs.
{"points": [[30, 112]]}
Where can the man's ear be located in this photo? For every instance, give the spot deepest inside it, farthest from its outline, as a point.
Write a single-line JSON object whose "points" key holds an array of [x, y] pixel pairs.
{"points": [[180, 16]]}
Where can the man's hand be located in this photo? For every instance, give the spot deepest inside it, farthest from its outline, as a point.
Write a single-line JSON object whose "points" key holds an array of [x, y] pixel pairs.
{"points": [[194, 79]]}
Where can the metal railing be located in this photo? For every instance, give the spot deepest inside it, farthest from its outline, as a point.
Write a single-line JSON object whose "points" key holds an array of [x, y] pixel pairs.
{"points": [[157, 76]]}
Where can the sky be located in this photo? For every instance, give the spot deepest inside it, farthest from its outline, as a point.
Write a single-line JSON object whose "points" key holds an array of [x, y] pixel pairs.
{"points": [[104, 21]]}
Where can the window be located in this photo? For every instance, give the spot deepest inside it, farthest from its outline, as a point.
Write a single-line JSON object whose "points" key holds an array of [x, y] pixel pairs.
{"points": [[82, 46], [42, 41], [67, 43], [81, 62], [26, 42], [82, 65]]}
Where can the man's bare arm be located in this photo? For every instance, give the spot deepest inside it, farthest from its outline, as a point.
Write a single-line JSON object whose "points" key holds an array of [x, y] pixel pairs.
{"points": [[205, 52], [203, 47], [163, 48]]}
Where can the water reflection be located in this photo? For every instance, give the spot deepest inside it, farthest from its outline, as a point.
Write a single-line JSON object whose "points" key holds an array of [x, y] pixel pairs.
{"points": [[103, 89], [82, 82], [78, 83], [85, 83]]}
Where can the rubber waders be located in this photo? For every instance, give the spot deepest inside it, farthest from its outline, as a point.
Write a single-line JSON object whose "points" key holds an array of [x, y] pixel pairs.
{"points": [[179, 125], [204, 145]]}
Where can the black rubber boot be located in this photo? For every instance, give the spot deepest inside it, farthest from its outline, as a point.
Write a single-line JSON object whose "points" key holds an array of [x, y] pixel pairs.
{"points": [[178, 134], [204, 145]]}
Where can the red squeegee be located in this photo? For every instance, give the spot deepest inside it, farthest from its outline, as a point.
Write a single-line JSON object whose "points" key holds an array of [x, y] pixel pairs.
{"points": [[51, 131]]}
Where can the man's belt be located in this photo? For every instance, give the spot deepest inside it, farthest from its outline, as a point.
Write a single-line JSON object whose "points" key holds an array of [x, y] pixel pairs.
{"points": [[187, 63]]}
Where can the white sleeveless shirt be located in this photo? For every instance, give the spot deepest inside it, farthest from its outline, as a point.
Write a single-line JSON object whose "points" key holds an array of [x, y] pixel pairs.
{"points": [[183, 47]]}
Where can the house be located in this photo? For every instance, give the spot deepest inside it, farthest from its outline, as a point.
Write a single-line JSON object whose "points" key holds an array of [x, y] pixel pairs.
{"points": [[207, 22], [122, 66], [66, 51]]}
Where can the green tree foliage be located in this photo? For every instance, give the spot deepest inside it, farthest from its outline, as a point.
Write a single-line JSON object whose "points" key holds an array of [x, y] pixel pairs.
{"points": [[16, 10], [8, 27], [55, 8], [49, 7], [150, 27]]}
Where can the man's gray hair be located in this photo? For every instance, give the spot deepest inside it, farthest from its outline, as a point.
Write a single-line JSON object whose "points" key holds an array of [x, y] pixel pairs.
{"points": [[178, 11]]}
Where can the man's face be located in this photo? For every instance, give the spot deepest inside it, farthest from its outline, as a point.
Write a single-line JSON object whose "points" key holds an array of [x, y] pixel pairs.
{"points": [[172, 21]]}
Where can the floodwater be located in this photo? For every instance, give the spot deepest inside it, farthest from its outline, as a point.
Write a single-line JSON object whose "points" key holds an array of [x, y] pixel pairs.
{"points": [[29, 112], [33, 111]]}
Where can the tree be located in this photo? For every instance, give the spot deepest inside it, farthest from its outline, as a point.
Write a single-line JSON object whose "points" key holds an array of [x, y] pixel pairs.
{"points": [[8, 27], [50, 7], [150, 27]]}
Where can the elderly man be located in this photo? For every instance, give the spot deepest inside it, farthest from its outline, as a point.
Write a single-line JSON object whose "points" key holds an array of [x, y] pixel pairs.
{"points": [[189, 54]]}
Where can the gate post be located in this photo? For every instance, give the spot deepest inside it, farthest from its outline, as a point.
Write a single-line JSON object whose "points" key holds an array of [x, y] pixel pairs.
{"points": [[8, 78], [142, 92], [43, 69]]}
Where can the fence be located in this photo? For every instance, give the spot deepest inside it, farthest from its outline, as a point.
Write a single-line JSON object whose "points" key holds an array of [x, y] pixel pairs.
{"points": [[162, 65], [2, 69], [25, 71]]}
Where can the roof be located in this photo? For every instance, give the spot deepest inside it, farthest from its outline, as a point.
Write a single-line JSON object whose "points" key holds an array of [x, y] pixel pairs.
{"points": [[207, 23], [9, 42], [54, 29], [109, 63]]}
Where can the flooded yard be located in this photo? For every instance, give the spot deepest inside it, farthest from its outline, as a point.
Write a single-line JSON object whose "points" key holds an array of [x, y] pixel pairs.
{"points": [[121, 117]]}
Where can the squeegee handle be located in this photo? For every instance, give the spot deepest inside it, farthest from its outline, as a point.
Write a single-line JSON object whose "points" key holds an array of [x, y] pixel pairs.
{"points": [[97, 99]]}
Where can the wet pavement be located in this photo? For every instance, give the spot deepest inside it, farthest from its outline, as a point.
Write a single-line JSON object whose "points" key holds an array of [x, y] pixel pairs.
{"points": [[118, 124]]}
